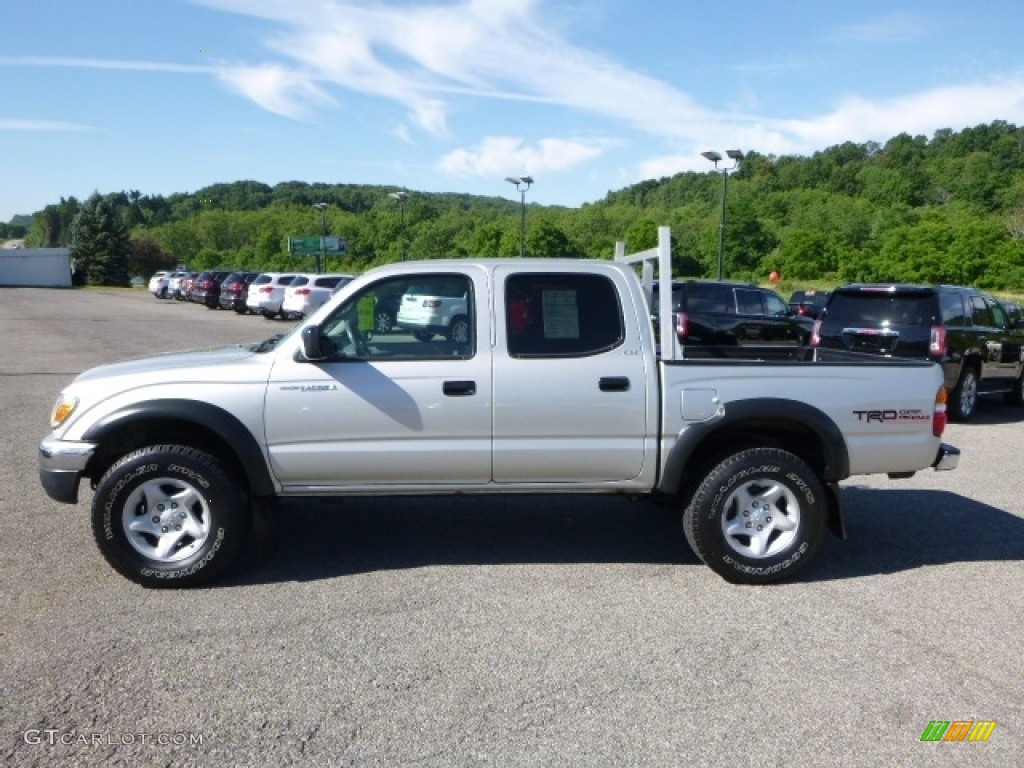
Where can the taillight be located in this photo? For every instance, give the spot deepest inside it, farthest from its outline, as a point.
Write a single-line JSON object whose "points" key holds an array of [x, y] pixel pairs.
{"points": [[431, 303], [939, 418], [682, 321], [267, 289], [816, 333], [937, 344], [302, 291]]}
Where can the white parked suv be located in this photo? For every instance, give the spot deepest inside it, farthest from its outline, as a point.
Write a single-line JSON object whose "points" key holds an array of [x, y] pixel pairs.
{"points": [[307, 292], [158, 284], [435, 305], [266, 293]]}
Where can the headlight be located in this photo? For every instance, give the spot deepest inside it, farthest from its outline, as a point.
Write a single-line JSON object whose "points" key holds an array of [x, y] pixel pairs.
{"points": [[62, 409]]}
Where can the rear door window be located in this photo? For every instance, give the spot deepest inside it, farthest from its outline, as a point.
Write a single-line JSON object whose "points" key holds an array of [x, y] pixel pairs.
{"points": [[562, 315], [748, 302], [981, 312]]}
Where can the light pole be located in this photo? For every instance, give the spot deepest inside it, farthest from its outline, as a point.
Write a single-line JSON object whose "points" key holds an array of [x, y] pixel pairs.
{"points": [[401, 196], [519, 182], [322, 259], [736, 156]]}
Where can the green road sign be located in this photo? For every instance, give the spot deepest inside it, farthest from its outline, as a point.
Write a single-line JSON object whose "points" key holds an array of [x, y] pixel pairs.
{"points": [[310, 246]]}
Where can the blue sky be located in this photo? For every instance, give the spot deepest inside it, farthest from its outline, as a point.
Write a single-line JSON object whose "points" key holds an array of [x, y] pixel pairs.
{"points": [[586, 96]]}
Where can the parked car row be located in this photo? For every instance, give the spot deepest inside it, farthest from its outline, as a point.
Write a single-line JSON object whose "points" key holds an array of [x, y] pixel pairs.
{"points": [[977, 339], [271, 294]]}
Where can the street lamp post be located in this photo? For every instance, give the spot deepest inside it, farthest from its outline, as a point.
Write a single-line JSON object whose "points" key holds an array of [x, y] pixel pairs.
{"points": [[736, 156], [522, 183], [322, 258], [401, 196]]}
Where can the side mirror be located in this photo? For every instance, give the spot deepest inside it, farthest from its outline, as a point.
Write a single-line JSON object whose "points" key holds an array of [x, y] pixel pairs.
{"points": [[311, 343]]}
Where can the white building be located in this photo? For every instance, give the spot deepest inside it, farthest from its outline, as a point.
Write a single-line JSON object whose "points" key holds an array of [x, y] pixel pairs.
{"points": [[35, 267]]}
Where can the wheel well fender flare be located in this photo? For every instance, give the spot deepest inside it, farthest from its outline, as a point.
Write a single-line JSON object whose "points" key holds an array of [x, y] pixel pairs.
{"points": [[215, 419], [761, 415]]}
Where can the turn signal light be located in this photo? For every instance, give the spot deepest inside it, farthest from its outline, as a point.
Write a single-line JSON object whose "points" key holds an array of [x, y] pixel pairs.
{"points": [[939, 418]]}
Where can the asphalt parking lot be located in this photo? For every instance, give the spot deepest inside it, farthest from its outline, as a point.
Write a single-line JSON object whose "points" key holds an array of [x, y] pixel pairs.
{"points": [[564, 631]]}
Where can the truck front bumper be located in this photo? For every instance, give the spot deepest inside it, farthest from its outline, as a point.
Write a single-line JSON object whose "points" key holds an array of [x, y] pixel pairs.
{"points": [[61, 463], [947, 458]]}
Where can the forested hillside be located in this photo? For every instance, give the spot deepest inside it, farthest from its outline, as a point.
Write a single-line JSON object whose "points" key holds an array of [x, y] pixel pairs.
{"points": [[949, 208]]}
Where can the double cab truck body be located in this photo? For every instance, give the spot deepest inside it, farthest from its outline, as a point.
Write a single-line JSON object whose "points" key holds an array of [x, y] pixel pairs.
{"points": [[555, 384]]}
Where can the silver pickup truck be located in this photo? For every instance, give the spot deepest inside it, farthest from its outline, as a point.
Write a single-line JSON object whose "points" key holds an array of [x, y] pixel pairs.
{"points": [[492, 376]]}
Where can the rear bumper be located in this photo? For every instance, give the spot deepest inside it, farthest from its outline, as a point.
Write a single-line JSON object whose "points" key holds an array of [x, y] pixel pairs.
{"points": [[61, 463], [948, 457]]}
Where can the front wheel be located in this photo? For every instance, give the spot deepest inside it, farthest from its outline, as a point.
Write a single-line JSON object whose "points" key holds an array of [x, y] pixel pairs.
{"points": [[964, 399], [168, 516], [758, 516]]}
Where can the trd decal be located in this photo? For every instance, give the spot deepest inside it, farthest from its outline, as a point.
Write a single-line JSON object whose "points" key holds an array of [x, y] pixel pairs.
{"points": [[893, 416]]}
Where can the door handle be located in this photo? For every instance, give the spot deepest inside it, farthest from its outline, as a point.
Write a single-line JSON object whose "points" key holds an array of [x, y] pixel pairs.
{"points": [[613, 384], [459, 388]]}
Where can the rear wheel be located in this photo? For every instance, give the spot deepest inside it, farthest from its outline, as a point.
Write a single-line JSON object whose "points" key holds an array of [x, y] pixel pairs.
{"points": [[383, 322], [964, 399], [758, 517], [168, 516], [459, 331]]}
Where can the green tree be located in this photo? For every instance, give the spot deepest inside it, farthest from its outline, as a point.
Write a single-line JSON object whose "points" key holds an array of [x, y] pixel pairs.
{"points": [[547, 240], [100, 247]]}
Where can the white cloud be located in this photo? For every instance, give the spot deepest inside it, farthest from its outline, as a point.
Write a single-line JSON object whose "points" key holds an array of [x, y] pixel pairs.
{"points": [[957, 107], [115, 64], [277, 89], [425, 55], [895, 27], [498, 156], [41, 125]]}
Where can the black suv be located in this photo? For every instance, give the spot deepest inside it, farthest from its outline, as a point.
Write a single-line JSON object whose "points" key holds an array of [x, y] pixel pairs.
{"points": [[723, 314], [809, 303], [234, 291], [206, 288], [965, 330]]}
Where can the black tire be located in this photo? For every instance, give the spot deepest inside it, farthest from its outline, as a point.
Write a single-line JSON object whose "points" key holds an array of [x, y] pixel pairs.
{"points": [[168, 497], [1016, 395], [383, 322], [963, 400], [268, 315], [772, 493], [458, 331]]}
